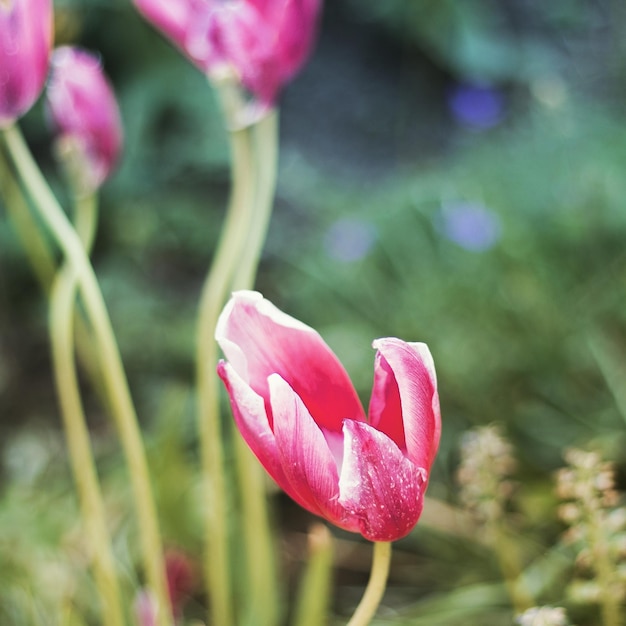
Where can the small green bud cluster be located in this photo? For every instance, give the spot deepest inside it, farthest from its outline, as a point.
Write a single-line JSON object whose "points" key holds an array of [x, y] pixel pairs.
{"points": [[487, 462], [596, 526]]}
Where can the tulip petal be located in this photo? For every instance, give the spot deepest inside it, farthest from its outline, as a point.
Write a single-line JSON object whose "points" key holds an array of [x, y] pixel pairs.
{"points": [[259, 340], [385, 410], [379, 486], [405, 389], [307, 460], [172, 18], [251, 419], [25, 41]]}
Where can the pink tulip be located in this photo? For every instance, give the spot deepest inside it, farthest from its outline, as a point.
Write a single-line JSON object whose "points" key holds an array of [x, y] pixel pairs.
{"points": [[264, 41], [296, 408], [25, 41], [83, 108]]}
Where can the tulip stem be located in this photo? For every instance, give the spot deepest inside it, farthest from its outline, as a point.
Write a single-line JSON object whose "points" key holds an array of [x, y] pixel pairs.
{"points": [[261, 585], [62, 300], [111, 366], [37, 248], [214, 293], [375, 586], [43, 262], [265, 138]]}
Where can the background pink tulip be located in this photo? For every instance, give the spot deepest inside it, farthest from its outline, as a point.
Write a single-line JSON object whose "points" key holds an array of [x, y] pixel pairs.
{"points": [[83, 108], [25, 41], [295, 406], [264, 41]]}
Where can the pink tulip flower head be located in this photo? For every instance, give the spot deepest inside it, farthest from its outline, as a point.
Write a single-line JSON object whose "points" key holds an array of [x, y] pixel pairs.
{"points": [[264, 42], [296, 408], [84, 111], [25, 41]]}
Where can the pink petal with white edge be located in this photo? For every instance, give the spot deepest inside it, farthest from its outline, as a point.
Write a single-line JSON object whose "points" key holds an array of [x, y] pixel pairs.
{"points": [[251, 419], [379, 487], [307, 460], [406, 371], [259, 340]]}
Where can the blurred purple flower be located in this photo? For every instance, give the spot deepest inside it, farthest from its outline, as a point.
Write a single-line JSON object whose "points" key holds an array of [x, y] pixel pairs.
{"points": [[478, 106], [349, 239], [469, 224]]}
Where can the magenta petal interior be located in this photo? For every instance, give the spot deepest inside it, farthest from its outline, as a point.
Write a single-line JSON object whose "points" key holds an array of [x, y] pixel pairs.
{"points": [[385, 410], [249, 414], [379, 487], [306, 458]]}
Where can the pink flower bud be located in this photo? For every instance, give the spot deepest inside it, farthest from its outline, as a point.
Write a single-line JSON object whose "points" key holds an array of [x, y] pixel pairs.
{"points": [[295, 406], [84, 111], [25, 41], [265, 42]]}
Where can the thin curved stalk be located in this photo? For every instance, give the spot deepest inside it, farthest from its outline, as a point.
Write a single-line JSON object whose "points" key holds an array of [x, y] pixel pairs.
{"points": [[37, 249], [112, 370], [41, 257], [214, 293], [375, 586], [265, 138], [62, 304], [263, 595]]}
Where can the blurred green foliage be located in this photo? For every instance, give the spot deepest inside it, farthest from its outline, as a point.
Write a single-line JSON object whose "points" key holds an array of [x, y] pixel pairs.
{"points": [[530, 333]]}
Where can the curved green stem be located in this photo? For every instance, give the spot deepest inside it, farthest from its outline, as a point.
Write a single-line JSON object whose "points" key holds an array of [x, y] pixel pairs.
{"points": [[214, 294], [259, 544], [62, 300], [112, 369], [42, 260], [265, 137], [375, 586], [37, 248]]}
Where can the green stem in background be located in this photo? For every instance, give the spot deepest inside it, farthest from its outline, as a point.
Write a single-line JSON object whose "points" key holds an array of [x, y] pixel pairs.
{"points": [[42, 260], [610, 587], [62, 303], [262, 596], [112, 369], [265, 138], [37, 248], [506, 551], [606, 569], [262, 589], [214, 293], [315, 587], [375, 587]]}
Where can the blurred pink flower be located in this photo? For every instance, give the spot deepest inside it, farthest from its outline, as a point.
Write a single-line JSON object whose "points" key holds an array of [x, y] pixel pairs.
{"points": [[83, 109], [264, 41], [180, 575], [297, 409], [145, 609], [25, 40]]}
